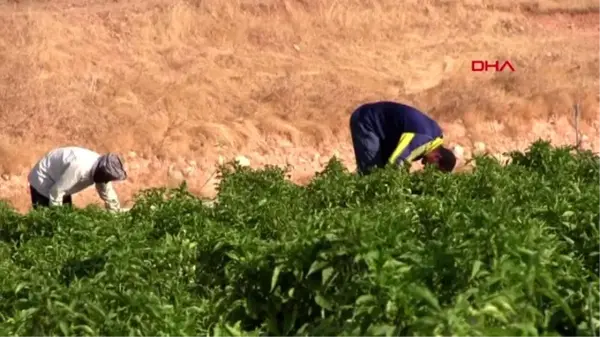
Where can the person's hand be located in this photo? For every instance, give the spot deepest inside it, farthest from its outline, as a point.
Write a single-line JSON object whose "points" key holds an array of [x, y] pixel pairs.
{"points": [[124, 209], [119, 210]]}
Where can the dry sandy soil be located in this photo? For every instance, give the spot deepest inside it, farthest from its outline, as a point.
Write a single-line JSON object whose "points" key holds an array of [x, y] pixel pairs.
{"points": [[174, 85]]}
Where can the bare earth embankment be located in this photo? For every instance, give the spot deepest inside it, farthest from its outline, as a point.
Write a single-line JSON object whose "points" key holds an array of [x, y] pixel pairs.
{"points": [[174, 85]]}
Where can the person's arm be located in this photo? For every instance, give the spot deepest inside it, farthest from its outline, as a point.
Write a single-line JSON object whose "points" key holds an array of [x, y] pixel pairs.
{"points": [[68, 179], [411, 146], [109, 196]]}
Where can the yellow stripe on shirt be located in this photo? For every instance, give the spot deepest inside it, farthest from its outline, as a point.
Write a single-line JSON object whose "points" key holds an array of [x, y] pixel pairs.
{"points": [[402, 144], [425, 148], [405, 140]]}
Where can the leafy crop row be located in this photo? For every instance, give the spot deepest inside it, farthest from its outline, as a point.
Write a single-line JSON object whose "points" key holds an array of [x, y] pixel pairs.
{"points": [[500, 251]]}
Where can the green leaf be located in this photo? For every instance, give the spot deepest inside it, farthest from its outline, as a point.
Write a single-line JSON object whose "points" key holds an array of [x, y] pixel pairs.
{"points": [[493, 311], [234, 330], [316, 266], [365, 299], [425, 294], [275, 277], [475, 269], [19, 287], [327, 274], [568, 214], [323, 303], [64, 328], [382, 330]]}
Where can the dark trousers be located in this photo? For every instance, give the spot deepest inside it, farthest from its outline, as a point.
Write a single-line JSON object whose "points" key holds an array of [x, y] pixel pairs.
{"points": [[367, 146], [38, 200]]}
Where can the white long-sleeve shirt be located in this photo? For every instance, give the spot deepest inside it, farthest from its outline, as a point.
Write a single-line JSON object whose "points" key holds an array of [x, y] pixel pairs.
{"points": [[69, 170]]}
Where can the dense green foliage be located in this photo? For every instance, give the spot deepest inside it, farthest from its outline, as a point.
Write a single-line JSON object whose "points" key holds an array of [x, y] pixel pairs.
{"points": [[500, 251]]}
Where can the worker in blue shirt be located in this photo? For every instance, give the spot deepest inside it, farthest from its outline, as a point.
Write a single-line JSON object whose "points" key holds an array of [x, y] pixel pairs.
{"points": [[392, 133]]}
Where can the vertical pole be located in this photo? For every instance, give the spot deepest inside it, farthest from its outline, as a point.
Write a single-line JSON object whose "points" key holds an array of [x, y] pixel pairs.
{"points": [[577, 136]]}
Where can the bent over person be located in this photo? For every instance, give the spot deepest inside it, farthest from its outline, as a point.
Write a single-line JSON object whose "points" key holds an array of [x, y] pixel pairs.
{"points": [[65, 171], [393, 133]]}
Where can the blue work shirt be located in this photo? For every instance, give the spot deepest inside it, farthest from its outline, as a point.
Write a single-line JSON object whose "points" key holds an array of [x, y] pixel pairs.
{"points": [[405, 133]]}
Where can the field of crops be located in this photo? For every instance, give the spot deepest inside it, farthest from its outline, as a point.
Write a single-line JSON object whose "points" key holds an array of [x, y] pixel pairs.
{"points": [[500, 251]]}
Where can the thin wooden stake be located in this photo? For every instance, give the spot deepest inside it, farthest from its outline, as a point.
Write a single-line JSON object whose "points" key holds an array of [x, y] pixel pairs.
{"points": [[577, 135]]}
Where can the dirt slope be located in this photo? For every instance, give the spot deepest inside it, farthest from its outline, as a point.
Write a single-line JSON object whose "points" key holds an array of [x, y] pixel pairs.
{"points": [[174, 85]]}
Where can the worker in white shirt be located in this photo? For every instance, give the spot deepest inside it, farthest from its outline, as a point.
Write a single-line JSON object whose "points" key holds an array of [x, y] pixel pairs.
{"points": [[65, 171]]}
